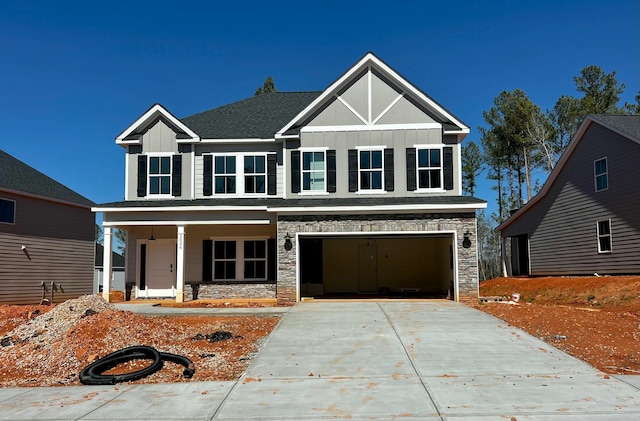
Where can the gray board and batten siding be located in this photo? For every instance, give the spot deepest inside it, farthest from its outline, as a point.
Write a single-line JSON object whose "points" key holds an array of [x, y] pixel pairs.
{"points": [[562, 225]]}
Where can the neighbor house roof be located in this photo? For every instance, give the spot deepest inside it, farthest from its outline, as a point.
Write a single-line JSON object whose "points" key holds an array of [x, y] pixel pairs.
{"points": [[258, 117], [19, 177], [626, 125], [117, 260]]}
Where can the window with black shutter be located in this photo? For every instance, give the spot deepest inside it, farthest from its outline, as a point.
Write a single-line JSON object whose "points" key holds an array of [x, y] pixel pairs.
{"points": [[447, 167], [353, 169], [295, 171]]}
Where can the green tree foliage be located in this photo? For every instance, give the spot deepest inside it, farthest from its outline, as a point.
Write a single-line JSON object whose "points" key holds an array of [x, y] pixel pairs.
{"points": [[633, 108], [121, 237], [489, 261], [99, 238], [471, 166], [600, 95], [267, 86]]}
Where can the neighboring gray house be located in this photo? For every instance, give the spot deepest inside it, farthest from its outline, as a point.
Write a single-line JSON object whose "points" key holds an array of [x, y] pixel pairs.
{"points": [[354, 190], [117, 271], [586, 218], [47, 236]]}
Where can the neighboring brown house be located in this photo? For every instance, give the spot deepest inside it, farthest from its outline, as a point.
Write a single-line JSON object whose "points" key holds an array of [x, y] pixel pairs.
{"points": [[47, 236], [586, 218]]}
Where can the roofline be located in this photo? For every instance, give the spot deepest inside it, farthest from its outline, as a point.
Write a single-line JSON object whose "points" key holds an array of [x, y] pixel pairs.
{"points": [[594, 117], [560, 165], [286, 209], [156, 108], [362, 63], [46, 198]]}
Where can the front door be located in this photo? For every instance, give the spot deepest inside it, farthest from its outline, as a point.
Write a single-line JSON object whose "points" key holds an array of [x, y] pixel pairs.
{"points": [[160, 269], [367, 268]]}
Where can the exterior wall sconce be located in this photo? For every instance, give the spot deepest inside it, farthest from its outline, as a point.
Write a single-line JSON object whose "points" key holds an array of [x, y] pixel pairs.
{"points": [[288, 245], [26, 252], [466, 241]]}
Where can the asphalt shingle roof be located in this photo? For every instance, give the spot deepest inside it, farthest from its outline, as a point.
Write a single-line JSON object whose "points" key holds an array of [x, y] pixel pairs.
{"points": [[258, 117], [18, 176], [629, 124]]}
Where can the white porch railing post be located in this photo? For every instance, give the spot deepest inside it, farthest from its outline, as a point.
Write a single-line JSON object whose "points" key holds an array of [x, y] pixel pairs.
{"points": [[106, 265], [180, 264]]}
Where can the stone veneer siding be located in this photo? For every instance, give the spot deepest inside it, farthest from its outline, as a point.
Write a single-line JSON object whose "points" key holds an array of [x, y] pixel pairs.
{"points": [[230, 291], [459, 222]]}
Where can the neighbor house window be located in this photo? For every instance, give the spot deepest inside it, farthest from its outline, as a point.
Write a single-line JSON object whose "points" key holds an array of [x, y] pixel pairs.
{"points": [[313, 171], [601, 174], [224, 260], [255, 259], [429, 168], [604, 236], [160, 175], [255, 174], [225, 174], [370, 169], [7, 211]]}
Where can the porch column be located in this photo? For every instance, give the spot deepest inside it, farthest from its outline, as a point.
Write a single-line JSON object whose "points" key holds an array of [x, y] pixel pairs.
{"points": [[180, 265], [106, 265], [504, 256]]}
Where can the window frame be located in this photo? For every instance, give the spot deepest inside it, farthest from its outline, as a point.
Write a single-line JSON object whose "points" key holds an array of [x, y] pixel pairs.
{"points": [[254, 175], [160, 175], [240, 258], [13, 218], [370, 149], [303, 171], [440, 169], [604, 174], [240, 174], [600, 236], [225, 175]]}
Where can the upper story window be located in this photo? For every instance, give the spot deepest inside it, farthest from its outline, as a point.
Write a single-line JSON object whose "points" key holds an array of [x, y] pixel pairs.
{"points": [[313, 171], [159, 175], [601, 174], [225, 174], [370, 169], [236, 174], [604, 236], [255, 174], [7, 211], [429, 168]]}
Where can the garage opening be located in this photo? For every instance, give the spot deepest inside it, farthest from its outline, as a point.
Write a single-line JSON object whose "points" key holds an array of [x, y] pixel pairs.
{"points": [[394, 266]]}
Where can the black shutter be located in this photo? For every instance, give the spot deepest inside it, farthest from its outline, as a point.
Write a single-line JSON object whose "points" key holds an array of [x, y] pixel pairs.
{"points": [[353, 170], [207, 188], [331, 171], [447, 167], [207, 260], [271, 173], [388, 169], [176, 177], [272, 255], [411, 169], [295, 171], [142, 175]]}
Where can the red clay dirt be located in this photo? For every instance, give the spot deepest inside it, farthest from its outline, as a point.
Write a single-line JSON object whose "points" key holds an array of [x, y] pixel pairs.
{"points": [[595, 319]]}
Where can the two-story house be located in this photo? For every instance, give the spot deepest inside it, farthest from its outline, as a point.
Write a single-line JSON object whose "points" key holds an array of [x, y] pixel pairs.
{"points": [[354, 190]]}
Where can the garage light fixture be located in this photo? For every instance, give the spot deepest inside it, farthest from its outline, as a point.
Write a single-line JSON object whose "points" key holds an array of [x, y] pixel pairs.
{"points": [[288, 245], [466, 241]]}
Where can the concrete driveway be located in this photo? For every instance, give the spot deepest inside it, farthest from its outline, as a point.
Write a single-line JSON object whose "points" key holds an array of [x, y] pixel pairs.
{"points": [[429, 360]]}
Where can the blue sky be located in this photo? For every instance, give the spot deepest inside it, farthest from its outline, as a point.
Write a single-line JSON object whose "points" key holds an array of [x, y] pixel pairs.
{"points": [[75, 74]]}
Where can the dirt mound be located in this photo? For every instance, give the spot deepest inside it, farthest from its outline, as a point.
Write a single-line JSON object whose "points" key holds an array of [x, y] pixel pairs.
{"points": [[50, 349], [596, 319]]}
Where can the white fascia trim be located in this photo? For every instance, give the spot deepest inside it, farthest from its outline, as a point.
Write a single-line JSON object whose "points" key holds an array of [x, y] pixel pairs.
{"points": [[186, 223], [365, 62], [181, 209], [155, 110], [315, 209], [247, 140], [369, 127]]}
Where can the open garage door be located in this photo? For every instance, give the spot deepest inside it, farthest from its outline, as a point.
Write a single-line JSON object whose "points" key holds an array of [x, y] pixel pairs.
{"points": [[380, 266]]}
